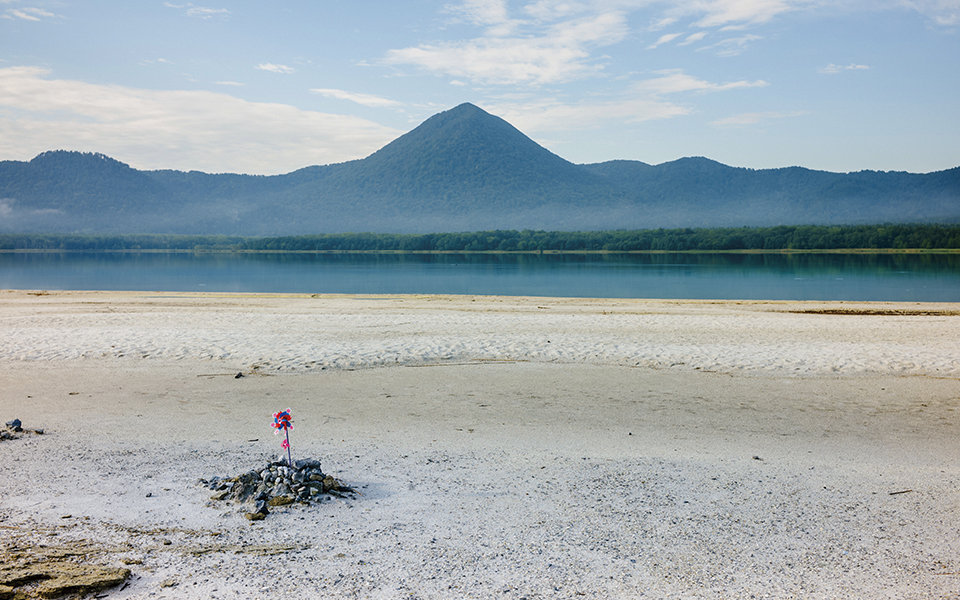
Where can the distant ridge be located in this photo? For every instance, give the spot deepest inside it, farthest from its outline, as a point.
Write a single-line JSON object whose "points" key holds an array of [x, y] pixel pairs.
{"points": [[460, 170]]}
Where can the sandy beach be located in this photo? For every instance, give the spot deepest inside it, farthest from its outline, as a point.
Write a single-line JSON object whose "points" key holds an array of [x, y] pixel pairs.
{"points": [[502, 447]]}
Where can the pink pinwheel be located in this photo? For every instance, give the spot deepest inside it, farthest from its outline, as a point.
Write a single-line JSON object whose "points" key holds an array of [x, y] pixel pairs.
{"points": [[283, 421]]}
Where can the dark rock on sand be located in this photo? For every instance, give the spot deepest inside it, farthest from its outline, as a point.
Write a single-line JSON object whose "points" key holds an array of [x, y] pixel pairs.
{"points": [[277, 485], [14, 429]]}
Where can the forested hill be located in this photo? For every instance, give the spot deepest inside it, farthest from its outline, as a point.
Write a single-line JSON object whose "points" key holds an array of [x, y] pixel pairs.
{"points": [[845, 238], [461, 170]]}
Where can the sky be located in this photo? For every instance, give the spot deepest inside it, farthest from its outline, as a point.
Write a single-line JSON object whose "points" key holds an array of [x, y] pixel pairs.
{"points": [[270, 87]]}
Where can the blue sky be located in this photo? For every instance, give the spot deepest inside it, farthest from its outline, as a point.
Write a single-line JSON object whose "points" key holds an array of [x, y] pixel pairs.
{"points": [[269, 87]]}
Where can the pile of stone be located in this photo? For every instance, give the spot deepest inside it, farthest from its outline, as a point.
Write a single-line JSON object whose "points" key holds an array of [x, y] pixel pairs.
{"points": [[277, 484], [14, 429]]}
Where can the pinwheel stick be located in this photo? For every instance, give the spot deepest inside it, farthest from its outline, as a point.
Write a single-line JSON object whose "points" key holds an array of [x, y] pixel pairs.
{"points": [[283, 420]]}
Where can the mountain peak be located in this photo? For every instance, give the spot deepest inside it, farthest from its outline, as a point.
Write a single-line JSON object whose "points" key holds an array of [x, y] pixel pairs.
{"points": [[87, 159], [465, 111], [81, 164], [469, 145], [467, 107], [460, 170]]}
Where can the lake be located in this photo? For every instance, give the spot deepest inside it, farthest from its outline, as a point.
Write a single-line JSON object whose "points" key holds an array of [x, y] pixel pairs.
{"points": [[880, 277]]}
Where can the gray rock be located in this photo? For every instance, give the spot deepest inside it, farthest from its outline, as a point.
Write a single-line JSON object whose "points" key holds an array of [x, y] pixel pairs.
{"points": [[277, 485], [306, 463]]}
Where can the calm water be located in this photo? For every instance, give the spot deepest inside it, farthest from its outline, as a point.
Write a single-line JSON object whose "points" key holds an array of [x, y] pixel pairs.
{"points": [[702, 276]]}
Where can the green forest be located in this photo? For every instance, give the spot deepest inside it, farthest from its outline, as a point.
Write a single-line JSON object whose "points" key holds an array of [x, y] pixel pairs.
{"points": [[726, 239]]}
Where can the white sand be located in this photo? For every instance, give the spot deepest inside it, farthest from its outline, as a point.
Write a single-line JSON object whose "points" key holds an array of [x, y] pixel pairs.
{"points": [[505, 447]]}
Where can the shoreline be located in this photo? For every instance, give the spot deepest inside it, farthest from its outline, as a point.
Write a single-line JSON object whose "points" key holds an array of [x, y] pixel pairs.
{"points": [[304, 332], [201, 250], [502, 446]]}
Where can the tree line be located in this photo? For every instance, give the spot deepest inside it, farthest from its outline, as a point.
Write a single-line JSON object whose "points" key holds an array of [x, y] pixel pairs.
{"points": [[71, 242], [786, 237]]}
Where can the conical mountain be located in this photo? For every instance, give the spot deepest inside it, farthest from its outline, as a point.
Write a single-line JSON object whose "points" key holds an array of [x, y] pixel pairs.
{"points": [[469, 148], [460, 156], [462, 169]]}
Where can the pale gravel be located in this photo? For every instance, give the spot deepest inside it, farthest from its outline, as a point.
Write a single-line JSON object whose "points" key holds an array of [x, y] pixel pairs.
{"points": [[299, 332], [515, 448]]}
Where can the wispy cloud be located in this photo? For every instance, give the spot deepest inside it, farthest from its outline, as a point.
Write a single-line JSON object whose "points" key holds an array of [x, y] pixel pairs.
{"points": [[199, 12], [648, 100], [273, 68], [945, 13], [28, 13], [204, 12], [664, 39], [156, 61], [229, 83], [662, 23], [728, 15], [364, 99], [552, 115], [732, 46], [556, 41], [492, 14], [833, 69], [554, 47], [738, 13], [498, 61], [183, 129], [674, 81], [755, 118], [554, 10], [693, 38]]}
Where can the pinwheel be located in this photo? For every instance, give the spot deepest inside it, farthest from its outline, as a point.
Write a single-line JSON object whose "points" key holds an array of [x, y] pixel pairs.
{"points": [[283, 421]]}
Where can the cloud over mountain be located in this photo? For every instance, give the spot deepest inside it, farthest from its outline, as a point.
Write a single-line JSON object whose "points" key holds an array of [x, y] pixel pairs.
{"points": [[461, 169]]}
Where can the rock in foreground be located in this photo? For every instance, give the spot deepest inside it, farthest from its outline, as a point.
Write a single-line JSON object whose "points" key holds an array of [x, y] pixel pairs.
{"points": [[277, 484], [14, 429], [56, 577]]}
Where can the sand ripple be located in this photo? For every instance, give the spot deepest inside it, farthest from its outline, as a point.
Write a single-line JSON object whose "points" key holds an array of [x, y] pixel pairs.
{"points": [[342, 332]]}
